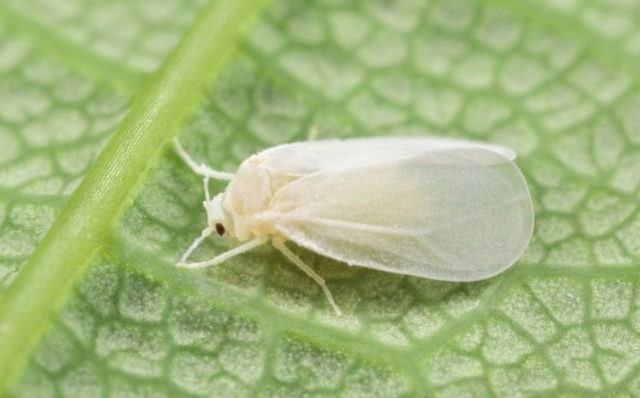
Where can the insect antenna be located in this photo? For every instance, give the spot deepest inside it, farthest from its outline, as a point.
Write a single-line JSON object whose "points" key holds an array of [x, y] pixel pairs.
{"points": [[200, 169], [205, 233]]}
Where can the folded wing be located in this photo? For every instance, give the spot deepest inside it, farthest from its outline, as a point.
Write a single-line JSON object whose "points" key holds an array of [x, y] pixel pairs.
{"points": [[303, 158], [457, 214]]}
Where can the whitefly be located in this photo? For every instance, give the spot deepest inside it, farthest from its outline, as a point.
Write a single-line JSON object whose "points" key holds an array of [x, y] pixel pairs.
{"points": [[438, 208]]}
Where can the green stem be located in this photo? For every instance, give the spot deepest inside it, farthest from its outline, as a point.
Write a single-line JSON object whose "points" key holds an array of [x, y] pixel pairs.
{"points": [[169, 97]]}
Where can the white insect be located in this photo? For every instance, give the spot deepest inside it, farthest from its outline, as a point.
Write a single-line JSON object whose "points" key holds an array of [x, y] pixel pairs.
{"points": [[437, 208]]}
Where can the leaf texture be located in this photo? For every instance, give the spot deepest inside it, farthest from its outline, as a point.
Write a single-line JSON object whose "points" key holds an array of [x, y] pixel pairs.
{"points": [[557, 81]]}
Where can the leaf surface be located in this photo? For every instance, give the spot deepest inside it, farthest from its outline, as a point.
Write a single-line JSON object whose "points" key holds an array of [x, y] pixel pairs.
{"points": [[557, 81]]}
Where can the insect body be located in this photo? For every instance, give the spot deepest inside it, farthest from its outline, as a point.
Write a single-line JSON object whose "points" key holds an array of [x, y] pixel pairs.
{"points": [[437, 208]]}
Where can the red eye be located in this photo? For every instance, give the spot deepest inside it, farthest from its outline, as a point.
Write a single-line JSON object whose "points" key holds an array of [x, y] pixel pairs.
{"points": [[220, 229]]}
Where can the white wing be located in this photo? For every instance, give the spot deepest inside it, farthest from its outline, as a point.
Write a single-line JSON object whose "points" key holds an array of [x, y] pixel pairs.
{"points": [[457, 214], [303, 158]]}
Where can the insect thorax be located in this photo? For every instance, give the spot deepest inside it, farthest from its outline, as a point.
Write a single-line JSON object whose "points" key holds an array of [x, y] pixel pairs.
{"points": [[249, 196]]}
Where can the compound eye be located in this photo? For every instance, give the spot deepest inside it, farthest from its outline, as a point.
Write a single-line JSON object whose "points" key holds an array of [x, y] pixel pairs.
{"points": [[220, 229]]}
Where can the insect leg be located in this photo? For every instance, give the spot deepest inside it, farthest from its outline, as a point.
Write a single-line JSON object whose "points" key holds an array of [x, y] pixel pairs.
{"points": [[224, 256], [279, 244], [200, 169]]}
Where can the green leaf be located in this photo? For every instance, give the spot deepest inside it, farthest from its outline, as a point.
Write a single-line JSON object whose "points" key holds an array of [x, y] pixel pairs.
{"points": [[91, 93]]}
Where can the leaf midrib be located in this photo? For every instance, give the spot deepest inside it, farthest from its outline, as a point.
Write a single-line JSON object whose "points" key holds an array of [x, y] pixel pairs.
{"points": [[33, 299]]}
